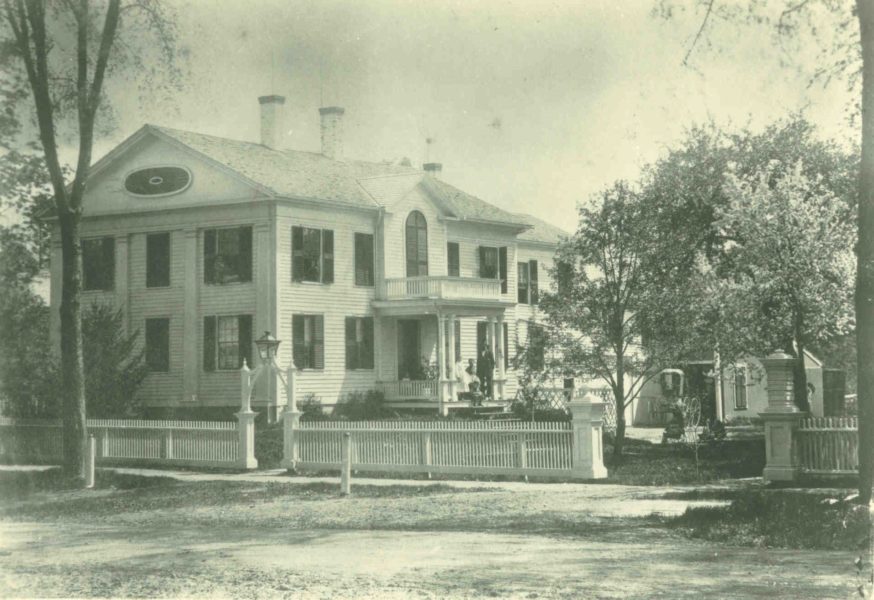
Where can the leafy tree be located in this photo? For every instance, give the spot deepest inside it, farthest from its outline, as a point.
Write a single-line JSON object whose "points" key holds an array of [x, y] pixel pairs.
{"points": [[62, 53], [603, 306], [849, 56], [791, 263], [684, 195]]}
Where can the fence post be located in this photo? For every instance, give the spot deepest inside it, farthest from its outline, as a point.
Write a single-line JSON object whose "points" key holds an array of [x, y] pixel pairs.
{"points": [[167, 444], [246, 434], [521, 451], [290, 437], [781, 419], [587, 414], [346, 465], [90, 455]]}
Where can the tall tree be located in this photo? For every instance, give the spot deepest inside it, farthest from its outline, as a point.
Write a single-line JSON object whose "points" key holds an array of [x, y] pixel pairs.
{"points": [[603, 319], [62, 53], [851, 58]]}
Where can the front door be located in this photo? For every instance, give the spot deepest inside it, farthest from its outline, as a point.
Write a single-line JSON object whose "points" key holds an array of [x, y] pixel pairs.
{"points": [[409, 366]]}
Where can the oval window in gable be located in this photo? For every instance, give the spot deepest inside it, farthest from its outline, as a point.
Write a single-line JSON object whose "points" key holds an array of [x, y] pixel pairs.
{"points": [[157, 181]]}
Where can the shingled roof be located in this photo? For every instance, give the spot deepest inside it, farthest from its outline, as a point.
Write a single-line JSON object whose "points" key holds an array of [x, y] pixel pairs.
{"points": [[541, 231]]}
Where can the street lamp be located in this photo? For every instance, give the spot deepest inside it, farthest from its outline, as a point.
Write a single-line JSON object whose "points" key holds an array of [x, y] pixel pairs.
{"points": [[267, 346]]}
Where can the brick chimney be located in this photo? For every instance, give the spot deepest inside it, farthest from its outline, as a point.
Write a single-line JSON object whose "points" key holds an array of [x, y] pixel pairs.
{"points": [[271, 119], [433, 169], [332, 131]]}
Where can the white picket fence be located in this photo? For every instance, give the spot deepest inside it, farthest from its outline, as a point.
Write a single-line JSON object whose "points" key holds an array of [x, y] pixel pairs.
{"points": [[473, 448], [176, 443], [829, 445]]}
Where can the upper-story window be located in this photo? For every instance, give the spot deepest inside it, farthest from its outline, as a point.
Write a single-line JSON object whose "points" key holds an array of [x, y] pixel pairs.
{"points": [[417, 245], [98, 264], [493, 264], [364, 259], [158, 260], [526, 284], [312, 255], [227, 255], [453, 262]]}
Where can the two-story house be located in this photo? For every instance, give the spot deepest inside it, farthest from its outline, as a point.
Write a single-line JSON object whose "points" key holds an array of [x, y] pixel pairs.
{"points": [[375, 276]]}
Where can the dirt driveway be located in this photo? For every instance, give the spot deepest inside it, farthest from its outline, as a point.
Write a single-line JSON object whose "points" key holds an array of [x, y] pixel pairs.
{"points": [[44, 560], [258, 536]]}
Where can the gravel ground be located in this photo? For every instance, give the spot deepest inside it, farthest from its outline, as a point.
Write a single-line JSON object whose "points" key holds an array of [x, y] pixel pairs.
{"points": [[213, 536]]}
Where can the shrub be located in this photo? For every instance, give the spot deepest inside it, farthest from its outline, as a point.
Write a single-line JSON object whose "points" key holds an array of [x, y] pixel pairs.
{"points": [[362, 406], [311, 408]]}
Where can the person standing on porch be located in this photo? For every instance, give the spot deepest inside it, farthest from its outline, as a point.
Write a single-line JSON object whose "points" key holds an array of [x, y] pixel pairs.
{"points": [[485, 367]]}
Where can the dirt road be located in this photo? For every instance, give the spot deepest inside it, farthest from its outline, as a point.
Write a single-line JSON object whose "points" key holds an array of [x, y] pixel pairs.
{"points": [[44, 560]]}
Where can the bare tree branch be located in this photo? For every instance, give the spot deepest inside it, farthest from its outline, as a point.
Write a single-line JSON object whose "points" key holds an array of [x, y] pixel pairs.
{"points": [[685, 62]]}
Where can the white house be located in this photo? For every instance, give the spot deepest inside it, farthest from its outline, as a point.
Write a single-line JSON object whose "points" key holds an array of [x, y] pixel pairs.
{"points": [[364, 270]]}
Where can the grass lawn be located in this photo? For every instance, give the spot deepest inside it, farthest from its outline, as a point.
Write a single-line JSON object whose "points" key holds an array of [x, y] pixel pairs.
{"points": [[645, 463]]}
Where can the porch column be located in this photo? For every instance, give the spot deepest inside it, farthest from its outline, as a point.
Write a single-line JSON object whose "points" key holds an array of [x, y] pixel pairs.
{"points": [[377, 346], [499, 357], [450, 362], [441, 360], [190, 321], [490, 338]]}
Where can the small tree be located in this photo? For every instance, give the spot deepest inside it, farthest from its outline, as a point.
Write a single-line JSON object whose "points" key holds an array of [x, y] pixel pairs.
{"points": [[114, 364]]}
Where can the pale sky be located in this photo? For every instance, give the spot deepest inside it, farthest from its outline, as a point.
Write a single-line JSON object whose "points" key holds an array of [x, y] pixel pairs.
{"points": [[534, 106]]}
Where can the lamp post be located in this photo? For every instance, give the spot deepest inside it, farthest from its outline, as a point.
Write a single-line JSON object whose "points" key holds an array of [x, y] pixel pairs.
{"points": [[267, 346]]}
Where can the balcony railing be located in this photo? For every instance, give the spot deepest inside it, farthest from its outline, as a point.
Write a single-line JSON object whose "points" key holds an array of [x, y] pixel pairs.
{"points": [[441, 288]]}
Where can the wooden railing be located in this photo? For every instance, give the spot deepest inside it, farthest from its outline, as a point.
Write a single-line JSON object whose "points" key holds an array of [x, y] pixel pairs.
{"points": [[441, 288], [483, 447], [409, 389], [829, 445], [182, 443]]}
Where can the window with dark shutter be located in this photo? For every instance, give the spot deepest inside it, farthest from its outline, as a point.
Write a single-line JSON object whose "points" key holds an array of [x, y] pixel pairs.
{"points": [[502, 268], [308, 339], [157, 345], [209, 337], [297, 254], [98, 264], [535, 292], [244, 329], [452, 259], [312, 255], [327, 256], [359, 343], [488, 263], [227, 255], [522, 283], [363, 259], [158, 260]]}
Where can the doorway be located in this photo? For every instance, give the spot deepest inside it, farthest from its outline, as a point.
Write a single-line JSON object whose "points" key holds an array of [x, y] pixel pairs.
{"points": [[409, 349]]}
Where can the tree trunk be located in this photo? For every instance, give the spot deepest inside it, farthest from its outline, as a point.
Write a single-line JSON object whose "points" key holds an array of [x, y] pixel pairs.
{"points": [[865, 259], [799, 371], [72, 372], [619, 401]]}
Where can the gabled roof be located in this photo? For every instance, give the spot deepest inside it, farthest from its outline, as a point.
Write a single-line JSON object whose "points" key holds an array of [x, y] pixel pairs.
{"points": [[288, 173], [541, 231], [467, 207]]}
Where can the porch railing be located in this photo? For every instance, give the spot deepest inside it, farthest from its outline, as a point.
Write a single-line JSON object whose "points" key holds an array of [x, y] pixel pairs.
{"points": [[441, 288], [409, 389]]}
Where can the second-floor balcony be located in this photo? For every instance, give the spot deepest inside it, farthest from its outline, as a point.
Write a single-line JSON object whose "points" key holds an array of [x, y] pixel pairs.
{"points": [[440, 288]]}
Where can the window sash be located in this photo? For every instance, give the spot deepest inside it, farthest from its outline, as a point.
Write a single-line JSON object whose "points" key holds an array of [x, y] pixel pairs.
{"points": [[359, 343], [416, 245], [227, 255], [228, 343], [98, 264], [308, 341], [364, 259], [157, 342], [452, 259], [158, 260]]}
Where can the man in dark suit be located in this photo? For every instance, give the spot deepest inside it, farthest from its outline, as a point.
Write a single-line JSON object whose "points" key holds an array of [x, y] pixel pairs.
{"points": [[485, 366]]}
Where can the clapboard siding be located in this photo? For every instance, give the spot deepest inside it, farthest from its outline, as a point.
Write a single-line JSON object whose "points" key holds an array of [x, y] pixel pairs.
{"points": [[334, 301], [470, 238]]}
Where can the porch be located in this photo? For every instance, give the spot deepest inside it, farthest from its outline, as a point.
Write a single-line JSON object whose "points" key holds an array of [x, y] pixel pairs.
{"points": [[426, 327]]}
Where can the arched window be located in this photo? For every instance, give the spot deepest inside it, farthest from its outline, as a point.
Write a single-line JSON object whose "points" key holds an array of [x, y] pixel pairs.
{"points": [[417, 245]]}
